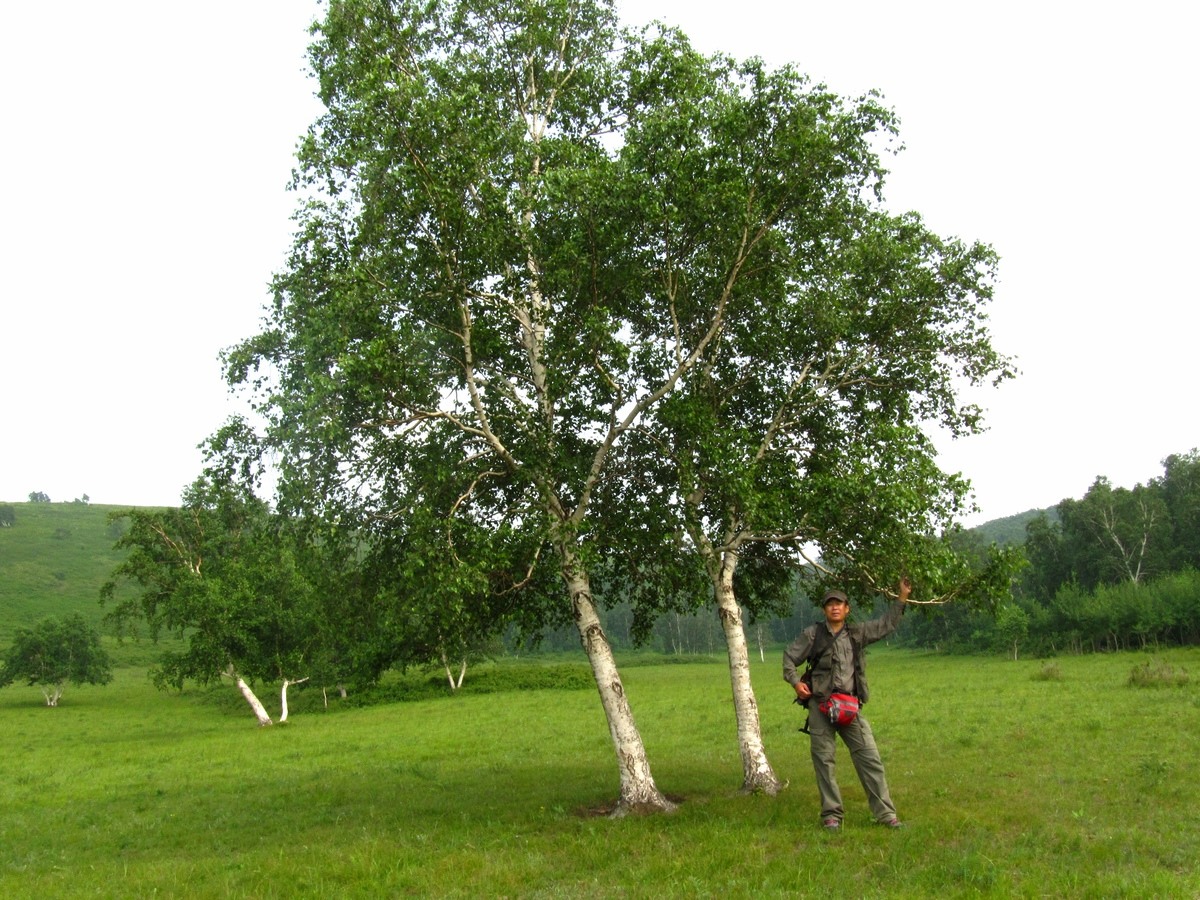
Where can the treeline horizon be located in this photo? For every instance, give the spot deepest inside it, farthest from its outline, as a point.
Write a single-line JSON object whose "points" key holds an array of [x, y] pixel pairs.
{"points": [[1116, 569]]}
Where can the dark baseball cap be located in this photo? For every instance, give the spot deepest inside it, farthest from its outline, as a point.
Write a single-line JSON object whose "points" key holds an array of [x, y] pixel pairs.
{"points": [[835, 595]]}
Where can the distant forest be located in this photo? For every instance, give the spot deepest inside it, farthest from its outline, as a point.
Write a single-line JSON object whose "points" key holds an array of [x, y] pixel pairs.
{"points": [[1115, 569]]}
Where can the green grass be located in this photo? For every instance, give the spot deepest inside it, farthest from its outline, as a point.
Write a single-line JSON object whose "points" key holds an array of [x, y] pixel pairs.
{"points": [[1012, 785]]}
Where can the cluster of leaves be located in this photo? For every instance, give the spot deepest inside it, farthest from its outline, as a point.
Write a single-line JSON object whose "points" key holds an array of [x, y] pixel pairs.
{"points": [[270, 596], [482, 278]]}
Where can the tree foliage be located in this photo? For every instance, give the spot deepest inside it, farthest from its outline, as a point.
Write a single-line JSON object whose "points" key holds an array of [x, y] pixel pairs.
{"points": [[55, 652], [1114, 534], [221, 573], [570, 303]]}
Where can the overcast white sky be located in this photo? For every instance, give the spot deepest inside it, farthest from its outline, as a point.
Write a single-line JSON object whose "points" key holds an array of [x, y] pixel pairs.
{"points": [[147, 145]]}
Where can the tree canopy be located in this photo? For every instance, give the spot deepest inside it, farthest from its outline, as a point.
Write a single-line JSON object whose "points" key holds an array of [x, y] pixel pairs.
{"points": [[1112, 569], [55, 652], [223, 574], [561, 292]]}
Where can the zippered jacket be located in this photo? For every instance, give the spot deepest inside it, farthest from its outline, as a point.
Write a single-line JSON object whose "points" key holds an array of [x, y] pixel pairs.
{"points": [[814, 649]]}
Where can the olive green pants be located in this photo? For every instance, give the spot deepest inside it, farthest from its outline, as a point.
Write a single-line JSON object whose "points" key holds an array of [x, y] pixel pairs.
{"points": [[863, 753]]}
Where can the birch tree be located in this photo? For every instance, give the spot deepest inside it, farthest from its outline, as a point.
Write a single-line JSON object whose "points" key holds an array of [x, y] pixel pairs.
{"points": [[53, 653], [1116, 534], [455, 288], [530, 240], [221, 574], [842, 331]]}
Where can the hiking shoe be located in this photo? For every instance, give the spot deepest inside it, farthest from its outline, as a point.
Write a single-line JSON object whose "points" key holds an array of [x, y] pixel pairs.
{"points": [[832, 824], [892, 823]]}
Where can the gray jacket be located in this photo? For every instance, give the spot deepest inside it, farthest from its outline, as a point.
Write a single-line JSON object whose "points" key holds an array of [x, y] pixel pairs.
{"points": [[795, 657]]}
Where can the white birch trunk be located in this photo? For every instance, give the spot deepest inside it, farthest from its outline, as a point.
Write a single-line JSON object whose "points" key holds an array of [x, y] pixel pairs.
{"points": [[638, 791], [283, 704], [52, 694], [260, 711], [462, 672], [341, 689], [757, 774]]}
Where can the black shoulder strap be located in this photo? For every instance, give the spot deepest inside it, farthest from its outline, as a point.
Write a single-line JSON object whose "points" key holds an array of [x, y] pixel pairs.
{"points": [[823, 640]]}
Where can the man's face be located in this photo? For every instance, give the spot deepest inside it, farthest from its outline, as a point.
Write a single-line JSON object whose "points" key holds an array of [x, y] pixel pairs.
{"points": [[836, 612]]}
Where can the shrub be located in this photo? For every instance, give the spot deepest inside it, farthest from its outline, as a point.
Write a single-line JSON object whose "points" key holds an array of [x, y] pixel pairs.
{"points": [[1049, 672], [1157, 674]]}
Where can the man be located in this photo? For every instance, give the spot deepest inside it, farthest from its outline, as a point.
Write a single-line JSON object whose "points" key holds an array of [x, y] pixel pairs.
{"points": [[833, 651]]}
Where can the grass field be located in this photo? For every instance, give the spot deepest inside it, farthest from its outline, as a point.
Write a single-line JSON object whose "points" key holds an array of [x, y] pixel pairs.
{"points": [[1017, 779]]}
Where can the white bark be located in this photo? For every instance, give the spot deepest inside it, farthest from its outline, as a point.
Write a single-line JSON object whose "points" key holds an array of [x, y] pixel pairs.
{"points": [[341, 689], [52, 693], [462, 671], [1131, 557], [283, 704], [638, 791], [260, 711], [757, 774]]}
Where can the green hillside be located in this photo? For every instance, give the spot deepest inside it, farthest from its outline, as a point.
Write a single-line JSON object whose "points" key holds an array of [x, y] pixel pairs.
{"points": [[1011, 529], [53, 560]]}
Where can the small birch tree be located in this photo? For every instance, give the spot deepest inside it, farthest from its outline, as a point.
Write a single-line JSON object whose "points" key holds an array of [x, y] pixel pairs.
{"points": [[221, 574], [53, 653]]}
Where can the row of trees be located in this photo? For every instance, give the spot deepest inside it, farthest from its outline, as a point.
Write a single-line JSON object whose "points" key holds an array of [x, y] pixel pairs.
{"points": [[43, 497], [1114, 569], [575, 314], [1117, 535]]}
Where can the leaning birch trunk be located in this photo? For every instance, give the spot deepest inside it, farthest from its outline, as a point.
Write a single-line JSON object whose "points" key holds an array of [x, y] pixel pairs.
{"points": [[260, 711], [757, 774], [638, 791]]}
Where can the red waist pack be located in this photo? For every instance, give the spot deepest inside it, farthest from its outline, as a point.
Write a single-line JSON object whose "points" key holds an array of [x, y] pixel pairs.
{"points": [[840, 709]]}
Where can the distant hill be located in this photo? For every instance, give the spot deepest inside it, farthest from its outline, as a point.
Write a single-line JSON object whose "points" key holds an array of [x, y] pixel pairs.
{"points": [[53, 559], [1011, 529]]}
